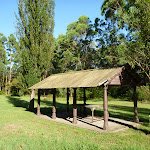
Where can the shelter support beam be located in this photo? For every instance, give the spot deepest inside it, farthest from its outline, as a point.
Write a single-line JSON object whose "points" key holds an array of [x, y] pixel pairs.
{"points": [[31, 105], [67, 100], [136, 119], [74, 107], [84, 90], [54, 104], [38, 106], [106, 115]]}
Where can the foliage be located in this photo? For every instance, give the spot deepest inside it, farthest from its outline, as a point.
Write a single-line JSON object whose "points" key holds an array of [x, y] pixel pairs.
{"points": [[11, 50], [2, 93], [75, 50], [18, 87], [132, 18], [143, 93], [91, 93], [107, 44], [3, 60], [35, 25], [120, 92], [123, 37], [21, 93]]}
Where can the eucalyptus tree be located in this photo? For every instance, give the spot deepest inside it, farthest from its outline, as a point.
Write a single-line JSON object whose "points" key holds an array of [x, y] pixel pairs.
{"points": [[35, 26], [11, 50], [76, 47], [107, 42], [132, 17], [81, 36], [3, 61]]}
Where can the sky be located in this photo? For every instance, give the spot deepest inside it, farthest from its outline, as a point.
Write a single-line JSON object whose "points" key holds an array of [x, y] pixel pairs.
{"points": [[66, 11]]}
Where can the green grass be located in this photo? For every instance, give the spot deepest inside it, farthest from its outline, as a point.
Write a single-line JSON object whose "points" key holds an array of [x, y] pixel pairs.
{"points": [[19, 129]]}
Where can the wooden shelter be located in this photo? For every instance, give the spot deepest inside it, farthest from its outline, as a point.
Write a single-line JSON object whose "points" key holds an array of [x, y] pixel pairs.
{"points": [[88, 78]]}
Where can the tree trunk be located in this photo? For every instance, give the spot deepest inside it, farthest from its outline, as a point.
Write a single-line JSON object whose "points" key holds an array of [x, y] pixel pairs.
{"points": [[0, 87], [6, 85], [9, 75], [134, 98], [3, 83]]}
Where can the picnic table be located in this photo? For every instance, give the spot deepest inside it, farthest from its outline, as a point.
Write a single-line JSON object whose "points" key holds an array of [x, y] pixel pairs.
{"points": [[93, 107]]}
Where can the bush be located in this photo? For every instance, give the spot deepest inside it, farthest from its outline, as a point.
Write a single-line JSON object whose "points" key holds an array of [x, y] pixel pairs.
{"points": [[129, 94], [21, 93], [120, 92], [143, 93], [61, 92], [91, 93], [2, 93]]}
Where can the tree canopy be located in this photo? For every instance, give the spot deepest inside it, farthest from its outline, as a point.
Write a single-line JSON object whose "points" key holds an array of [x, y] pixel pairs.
{"points": [[35, 33], [132, 18], [123, 36]]}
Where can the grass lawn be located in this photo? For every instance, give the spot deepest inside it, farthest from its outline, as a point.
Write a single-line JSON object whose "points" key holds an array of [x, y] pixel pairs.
{"points": [[19, 129]]}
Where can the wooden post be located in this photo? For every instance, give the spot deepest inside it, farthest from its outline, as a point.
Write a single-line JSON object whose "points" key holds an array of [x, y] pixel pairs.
{"points": [[31, 105], [106, 115], [54, 104], [38, 106], [134, 98], [67, 100], [84, 111], [74, 107]]}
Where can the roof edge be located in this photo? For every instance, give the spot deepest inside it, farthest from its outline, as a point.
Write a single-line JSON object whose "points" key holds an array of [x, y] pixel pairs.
{"points": [[116, 74]]}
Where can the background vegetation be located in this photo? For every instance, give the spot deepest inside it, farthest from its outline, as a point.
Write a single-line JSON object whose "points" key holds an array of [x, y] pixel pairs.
{"points": [[123, 37], [34, 54]]}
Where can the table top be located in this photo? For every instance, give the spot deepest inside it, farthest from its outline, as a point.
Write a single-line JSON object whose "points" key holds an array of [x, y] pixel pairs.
{"points": [[93, 106]]}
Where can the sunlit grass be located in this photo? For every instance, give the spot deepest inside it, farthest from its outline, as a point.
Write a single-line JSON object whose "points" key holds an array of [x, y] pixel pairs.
{"points": [[19, 129]]}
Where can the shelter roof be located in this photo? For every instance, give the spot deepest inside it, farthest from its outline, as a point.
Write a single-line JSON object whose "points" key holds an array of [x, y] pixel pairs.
{"points": [[76, 79]]}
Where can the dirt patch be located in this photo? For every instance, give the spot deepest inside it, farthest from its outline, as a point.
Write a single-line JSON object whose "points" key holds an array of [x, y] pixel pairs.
{"points": [[12, 127]]}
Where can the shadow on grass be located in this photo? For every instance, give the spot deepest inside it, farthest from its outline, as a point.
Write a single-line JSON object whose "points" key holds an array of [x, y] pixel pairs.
{"points": [[127, 112], [19, 102], [144, 111], [146, 131]]}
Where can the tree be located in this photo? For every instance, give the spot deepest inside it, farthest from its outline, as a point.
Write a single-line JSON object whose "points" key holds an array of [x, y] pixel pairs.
{"points": [[81, 34], [35, 25], [75, 50], [11, 49], [107, 44], [3, 61], [134, 17]]}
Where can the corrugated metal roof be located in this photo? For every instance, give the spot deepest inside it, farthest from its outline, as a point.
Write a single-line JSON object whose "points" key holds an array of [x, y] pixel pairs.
{"points": [[75, 79]]}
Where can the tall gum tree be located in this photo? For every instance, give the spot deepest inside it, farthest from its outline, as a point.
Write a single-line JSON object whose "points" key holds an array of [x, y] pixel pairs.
{"points": [[3, 61], [11, 49], [134, 17], [75, 49]]}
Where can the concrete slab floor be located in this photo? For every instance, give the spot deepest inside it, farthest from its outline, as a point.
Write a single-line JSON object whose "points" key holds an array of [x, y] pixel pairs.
{"points": [[114, 124]]}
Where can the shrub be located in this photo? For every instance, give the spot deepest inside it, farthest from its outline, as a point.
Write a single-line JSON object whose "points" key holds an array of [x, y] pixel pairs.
{"points": [[91, 93], [21, 93], [2, 93], [120, 92], [143, 93]]}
